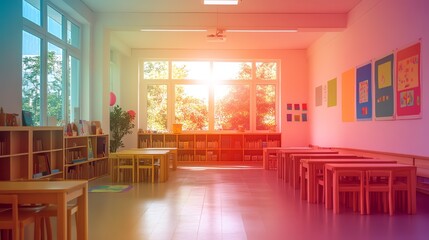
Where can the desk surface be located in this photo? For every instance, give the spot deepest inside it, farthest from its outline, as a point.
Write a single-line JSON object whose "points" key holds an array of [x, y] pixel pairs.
{"points": [[303, 151], [143, 151], [40, 186], [58, 193], [326, 155], [367, 166]]}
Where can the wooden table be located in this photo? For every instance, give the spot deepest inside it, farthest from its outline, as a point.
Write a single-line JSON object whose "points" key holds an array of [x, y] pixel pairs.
{"points": [[310, 167], [267, 151], [57, 193], [162, 155], [172, 151], [283, 169], [332, 170], [294, 163]]}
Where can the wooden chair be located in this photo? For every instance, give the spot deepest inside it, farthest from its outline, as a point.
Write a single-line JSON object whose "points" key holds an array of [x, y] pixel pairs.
{"points": [[148, 165], [123, 167], [14, 219], [272, 162], [378, 189], [349, 183], [401, 190], [42, 221]]}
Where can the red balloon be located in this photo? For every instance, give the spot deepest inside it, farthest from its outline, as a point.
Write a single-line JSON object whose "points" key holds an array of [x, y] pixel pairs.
{"points": [[132, 114], [112, 99]]}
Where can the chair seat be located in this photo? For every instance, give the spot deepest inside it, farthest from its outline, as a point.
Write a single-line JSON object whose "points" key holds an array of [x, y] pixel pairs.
{"points": [[42, 220], [14, 218]]}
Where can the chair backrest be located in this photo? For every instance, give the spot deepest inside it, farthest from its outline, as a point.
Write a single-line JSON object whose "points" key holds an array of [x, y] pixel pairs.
{"points": [[143, 160], [377, 179], [125, 159], [10, 222]]}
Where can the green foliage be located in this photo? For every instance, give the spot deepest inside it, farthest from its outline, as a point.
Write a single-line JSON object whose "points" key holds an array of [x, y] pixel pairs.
{"points": [[190, 111], [121, 124], [31, 87], [157, 107], [232, 111]]}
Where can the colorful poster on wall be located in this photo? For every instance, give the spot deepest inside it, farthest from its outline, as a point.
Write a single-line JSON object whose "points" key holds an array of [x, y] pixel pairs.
{"points": [[318, 96], [383, 88], [364, 92], [332, 93], [408, 88], [348, 96]]}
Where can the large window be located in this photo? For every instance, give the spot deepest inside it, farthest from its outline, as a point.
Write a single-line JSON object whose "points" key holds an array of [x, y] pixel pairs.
{"points": [[50, 64], [209, 95]]}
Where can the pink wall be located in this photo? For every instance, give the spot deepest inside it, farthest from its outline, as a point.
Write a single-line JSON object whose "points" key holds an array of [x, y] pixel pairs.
{"points": [[375, 29]]}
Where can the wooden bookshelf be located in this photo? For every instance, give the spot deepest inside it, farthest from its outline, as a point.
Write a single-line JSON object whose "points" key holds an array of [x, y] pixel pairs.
{"points": [[86, 157], [31, 153], [213, 148]]}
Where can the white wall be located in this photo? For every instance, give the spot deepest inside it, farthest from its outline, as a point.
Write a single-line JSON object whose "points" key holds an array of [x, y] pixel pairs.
{"points": [[11, 56], [293, 85], [376, 28]]}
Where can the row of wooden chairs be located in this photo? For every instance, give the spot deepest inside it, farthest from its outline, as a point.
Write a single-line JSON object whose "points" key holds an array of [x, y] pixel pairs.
{"points": [[14, 218], [134, 168], [375, 189]]}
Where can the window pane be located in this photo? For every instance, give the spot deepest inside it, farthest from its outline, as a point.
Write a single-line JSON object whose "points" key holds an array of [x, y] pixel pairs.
{"points": [[157, 107], [31, 10], [266, 107], [232, 70], [73, 34], [191, 107], [232, 107], [73, 90], [155, 70], [266, 70], [55, 83], [54, 23], [191, 70], [31, 75]]}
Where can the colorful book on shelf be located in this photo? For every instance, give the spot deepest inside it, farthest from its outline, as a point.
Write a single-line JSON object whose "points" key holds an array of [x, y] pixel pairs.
{"points": [[42, 165], [78, 160], [90, 149]]}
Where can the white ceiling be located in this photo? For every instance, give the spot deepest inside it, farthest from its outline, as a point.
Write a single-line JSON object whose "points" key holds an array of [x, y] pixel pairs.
{"points": [[311, 17]]}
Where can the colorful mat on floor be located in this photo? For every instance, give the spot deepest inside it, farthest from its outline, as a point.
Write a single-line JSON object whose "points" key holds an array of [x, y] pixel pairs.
{"points": [[110, 188]]}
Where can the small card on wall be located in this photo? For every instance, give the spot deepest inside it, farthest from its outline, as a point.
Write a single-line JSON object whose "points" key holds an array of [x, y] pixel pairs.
{"points": [[297, 118], [289, 117], [296, 106]]}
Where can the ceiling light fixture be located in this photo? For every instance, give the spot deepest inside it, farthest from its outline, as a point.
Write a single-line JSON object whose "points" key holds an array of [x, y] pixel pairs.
{"points": [[171, 30], [262, 30], [221, 2]]}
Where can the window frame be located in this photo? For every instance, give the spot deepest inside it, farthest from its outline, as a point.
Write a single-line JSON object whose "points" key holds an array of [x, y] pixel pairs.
{"points": [[171, 83], [68, 50]]}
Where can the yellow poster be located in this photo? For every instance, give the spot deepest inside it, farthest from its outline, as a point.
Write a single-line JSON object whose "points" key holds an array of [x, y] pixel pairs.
{"points": [[408, 73], [385, 75], [332, 92], [348, 95]]}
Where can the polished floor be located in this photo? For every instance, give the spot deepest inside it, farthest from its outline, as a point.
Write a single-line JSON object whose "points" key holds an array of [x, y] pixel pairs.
{"points": [[234, 203]]}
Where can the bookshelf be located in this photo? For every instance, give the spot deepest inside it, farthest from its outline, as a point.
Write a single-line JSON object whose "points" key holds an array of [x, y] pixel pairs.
{"points": [[86, 157], [47, 152], [31, 153], [213, 148]]}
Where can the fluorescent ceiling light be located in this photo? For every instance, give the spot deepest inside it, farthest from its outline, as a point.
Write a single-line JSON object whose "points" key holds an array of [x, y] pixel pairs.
{"points": [[221, 2], [262, 30], [172, 30]]}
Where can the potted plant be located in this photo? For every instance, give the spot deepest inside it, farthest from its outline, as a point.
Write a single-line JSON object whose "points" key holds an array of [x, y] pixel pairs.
{"points": [[121, 123]]}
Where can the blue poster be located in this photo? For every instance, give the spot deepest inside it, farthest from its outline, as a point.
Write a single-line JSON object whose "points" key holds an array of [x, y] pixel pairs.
{"points": [[384, 100], [363, 92]]}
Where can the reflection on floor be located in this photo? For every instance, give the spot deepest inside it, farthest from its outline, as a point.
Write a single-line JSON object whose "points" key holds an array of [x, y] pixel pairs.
{"points": [[236, 203]]}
